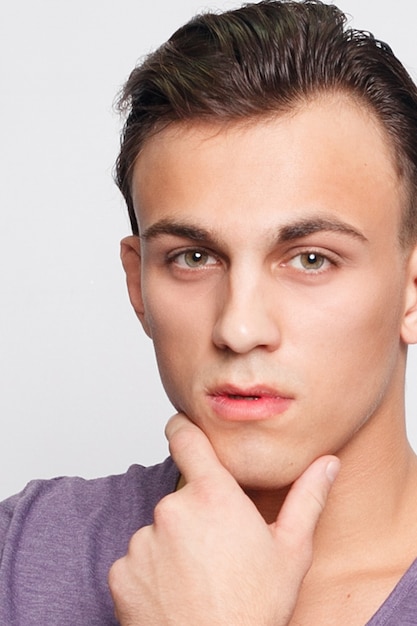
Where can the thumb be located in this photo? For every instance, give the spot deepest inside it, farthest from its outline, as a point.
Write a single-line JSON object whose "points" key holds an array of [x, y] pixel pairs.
{"points": [[192, 451], [297, 520]]}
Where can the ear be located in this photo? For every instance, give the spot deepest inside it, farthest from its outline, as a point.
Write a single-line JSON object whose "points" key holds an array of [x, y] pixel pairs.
{"points": [[132, 265], [409, 324]]}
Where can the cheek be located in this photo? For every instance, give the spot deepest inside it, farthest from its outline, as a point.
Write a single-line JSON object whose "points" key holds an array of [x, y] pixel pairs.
{"points": [[359, 316], [180, 331], [172, 324], [356, 348], [178, 313]]}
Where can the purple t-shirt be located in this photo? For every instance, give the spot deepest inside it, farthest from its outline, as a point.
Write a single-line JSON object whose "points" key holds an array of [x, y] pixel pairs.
{"points": [[59, 537]]}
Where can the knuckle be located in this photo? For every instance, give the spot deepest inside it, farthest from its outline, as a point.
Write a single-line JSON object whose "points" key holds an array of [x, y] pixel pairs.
{"points": [[137, 541], [317, 499], [298, 552], [167, 511], [208, 494], [116, 576]]}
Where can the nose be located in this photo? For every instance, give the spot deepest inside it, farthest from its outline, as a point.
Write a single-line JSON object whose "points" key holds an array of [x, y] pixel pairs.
{"points": [[246, 319]]}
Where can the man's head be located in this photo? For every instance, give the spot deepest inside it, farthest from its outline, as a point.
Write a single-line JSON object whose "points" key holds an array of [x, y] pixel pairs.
{"points": [[271, 270], [262, 60]]}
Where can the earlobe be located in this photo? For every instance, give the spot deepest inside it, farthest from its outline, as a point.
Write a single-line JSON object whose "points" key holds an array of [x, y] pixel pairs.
{"points": [[409, 325], [131, 260]]}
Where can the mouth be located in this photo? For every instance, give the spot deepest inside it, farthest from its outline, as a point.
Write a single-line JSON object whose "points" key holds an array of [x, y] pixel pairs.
{"points": [[251, 404], [240, 397]]}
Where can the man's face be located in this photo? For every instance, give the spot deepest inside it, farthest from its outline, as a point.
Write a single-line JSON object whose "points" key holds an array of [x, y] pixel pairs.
{"points": [[273, 282]]}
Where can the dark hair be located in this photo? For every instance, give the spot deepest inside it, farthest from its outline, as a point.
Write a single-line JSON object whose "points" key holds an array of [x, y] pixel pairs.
{"points": [[264, 58]]}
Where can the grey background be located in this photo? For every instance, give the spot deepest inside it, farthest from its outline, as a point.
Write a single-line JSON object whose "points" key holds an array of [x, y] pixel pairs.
{"points": [[79, 388]]}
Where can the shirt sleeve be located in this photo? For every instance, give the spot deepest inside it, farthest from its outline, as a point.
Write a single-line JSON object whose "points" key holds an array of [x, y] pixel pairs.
{"points": [[7, 508]]}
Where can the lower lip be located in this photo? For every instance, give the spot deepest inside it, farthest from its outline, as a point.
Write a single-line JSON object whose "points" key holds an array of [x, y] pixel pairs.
{"points": [[233, 409]]}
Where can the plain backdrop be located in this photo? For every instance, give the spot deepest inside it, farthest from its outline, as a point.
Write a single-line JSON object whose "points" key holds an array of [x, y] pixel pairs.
{"points": [[79, 387]]}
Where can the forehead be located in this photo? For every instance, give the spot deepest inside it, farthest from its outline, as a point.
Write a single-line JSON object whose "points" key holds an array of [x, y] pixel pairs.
{"points": [[328, 155]]}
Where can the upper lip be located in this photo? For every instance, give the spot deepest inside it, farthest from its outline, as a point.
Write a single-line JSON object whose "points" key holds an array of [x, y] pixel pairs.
{"points": [[253, 391]]}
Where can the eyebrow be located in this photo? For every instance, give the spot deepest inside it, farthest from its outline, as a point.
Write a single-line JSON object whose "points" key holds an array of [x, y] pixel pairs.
{"points": [[296, 230], [308, 226], [178, 229]]}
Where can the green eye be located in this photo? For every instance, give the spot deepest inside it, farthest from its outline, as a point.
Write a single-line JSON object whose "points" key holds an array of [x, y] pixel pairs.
{"points": [[312, 261], [195, 258]]}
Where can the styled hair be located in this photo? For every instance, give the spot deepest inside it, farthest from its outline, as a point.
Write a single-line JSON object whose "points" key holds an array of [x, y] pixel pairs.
{"points": [[265, 58]]}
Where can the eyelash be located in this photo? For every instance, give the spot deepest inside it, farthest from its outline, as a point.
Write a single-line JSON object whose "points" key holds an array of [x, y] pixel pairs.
{"points": [[327, 260], [174, 258]]}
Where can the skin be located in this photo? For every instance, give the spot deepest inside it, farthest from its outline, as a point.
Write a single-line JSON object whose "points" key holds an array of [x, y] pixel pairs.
{"points": [[270, 266], [186, 568]]}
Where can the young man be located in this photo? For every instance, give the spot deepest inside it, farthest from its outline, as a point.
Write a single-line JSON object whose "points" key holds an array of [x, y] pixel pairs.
{"points": [[269, 166]]}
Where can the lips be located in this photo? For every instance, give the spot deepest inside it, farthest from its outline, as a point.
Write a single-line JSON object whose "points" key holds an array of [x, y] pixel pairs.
{"points": [[240, 397], [234, 404]]}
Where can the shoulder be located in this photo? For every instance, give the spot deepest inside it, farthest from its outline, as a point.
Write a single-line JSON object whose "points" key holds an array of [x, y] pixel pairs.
{"points": [[69, 501], [59, 537]]}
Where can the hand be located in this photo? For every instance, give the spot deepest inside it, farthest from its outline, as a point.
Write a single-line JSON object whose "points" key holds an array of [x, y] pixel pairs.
{"points": [[209, 558]]}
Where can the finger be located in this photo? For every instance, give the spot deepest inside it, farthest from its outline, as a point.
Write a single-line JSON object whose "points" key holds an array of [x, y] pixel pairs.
{"points": [[177, 422], [192, 451], [306, 500]]}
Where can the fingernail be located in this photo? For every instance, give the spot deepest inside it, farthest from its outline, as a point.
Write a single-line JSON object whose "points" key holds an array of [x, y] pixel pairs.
{"points": [[332, 470]]}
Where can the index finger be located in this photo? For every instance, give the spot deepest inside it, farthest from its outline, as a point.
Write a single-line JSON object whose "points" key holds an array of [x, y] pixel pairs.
{"points": [[192, 451]]}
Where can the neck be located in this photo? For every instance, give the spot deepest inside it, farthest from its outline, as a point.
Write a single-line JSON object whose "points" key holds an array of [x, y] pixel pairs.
{"points": [[372, 502]]}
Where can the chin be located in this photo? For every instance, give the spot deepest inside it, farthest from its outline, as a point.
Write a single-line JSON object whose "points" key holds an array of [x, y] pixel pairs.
{"points": [[261, 470]]}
